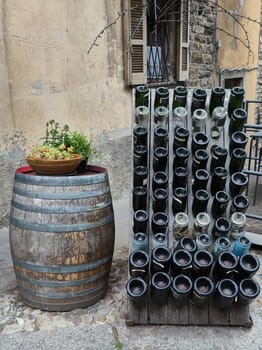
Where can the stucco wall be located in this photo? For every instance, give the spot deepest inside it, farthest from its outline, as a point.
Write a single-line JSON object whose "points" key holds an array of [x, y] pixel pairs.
{"points": [[239, 46], [46, 74]]}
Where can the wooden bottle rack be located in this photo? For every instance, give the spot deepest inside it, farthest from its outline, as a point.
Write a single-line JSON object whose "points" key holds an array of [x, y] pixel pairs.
{"points": [[190, 314]]}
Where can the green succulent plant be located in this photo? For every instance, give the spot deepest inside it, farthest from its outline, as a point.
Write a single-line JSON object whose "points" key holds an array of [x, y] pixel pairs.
{"points": [[61, 143]]}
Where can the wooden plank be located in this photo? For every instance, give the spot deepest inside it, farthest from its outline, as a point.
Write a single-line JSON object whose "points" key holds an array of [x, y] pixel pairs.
{"points": [[177, 315], [136, 314], [218, 316], [157, 314], [198, 314], [239, 315]]}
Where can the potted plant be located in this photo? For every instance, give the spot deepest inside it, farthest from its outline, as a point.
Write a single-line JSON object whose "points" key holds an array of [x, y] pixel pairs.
{"points": [[61, 150], [82, 145]]}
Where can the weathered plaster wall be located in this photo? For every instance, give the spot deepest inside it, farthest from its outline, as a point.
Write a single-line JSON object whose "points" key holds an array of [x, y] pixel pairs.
{"points": [[258, 114], [239, 48], [46, 74]]}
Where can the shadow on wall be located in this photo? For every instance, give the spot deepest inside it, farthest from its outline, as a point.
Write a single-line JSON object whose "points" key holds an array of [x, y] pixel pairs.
{"points": [[11, 158], [115, 148]]}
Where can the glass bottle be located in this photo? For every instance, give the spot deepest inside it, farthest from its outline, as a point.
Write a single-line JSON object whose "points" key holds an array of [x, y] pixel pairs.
{"points": [[222, 244], [180, 137], [159, 202], [140, 221], [162, 97], [238, 222], [181, 262], [160, 288], [160, 180], [179, 200], [140, 155], [248, 265], [201, 177], [159, 222], [160, 259], [137, 290], [225, 294], [181, 157], [159, 239], [180, 97], [142, 116], [140, 135], [187, 243], [203, 290], [179, 117], [219, 204], [202, 263], [160, 137], [238, 139], [237, 95], [237, 120], [221, 227], [219, 116], [238, 183], [161, 116], [218, 157], [199, 141], [142, 96], [218, 180], [237, 160], [217, 98], [160, 159], [139, 198], [199, 160], [200, 202], [180, 225], [239, 203], [249, 290], [198, 99], [139, 264], [201, 223], [140, 176], [203, 241], [199, 119], [181, 289], [241, 245], [180, 175], [140, 241], [225, 265]]}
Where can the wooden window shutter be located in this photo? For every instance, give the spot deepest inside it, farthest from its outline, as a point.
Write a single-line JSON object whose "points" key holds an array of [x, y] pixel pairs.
{"points": [[135, 41], [184, 41]]}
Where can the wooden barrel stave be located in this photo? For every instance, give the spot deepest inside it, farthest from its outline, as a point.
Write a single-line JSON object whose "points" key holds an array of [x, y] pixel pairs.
{"points": [[62, 248]]}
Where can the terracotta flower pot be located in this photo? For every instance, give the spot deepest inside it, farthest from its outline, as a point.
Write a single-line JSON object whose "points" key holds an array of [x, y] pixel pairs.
{"points": [[54, 167]]}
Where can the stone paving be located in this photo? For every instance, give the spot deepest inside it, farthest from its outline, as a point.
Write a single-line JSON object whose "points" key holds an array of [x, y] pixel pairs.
{"points": [[17, 317]]}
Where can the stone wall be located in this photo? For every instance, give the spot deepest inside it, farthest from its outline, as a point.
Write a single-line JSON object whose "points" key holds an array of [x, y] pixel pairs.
{"points": [[202, 45]]}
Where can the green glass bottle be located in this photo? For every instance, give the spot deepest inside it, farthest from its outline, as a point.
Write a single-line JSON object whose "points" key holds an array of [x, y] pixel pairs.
{"points": [[142, 96], [180, 97], [216, 99], [236, 99], [237, 120], [198, 99], [162, 97]]}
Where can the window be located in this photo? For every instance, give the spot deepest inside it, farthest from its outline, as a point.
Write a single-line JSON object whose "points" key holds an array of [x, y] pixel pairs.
{"points": [[156, 41], [229, 78]]}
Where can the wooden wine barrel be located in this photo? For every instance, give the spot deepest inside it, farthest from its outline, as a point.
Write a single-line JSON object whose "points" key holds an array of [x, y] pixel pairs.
{"points": [[62, 238]]}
